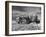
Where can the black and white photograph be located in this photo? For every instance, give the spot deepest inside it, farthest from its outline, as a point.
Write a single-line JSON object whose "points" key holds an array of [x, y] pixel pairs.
{"points": [[26, 18]]}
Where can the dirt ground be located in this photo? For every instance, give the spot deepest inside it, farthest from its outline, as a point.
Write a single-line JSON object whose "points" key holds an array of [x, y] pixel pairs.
{"points": [[22, 27]]}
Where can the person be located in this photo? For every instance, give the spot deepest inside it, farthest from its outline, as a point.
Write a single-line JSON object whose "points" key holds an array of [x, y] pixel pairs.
{"points": [[17, 19], [28, 20], [20, 20], [37, 20]]}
